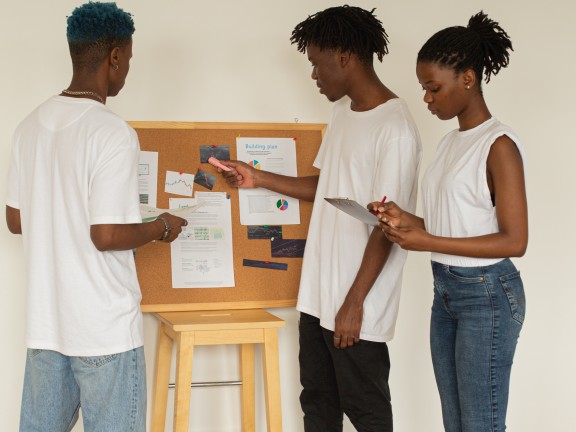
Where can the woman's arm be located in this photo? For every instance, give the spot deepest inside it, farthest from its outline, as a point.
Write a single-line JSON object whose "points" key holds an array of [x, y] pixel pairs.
{"points": [[505, 174]]}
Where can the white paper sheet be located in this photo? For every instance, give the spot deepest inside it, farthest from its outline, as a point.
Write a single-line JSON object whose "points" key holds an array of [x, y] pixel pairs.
{"points": [[179, 183], [262, 206], [202, 256], [354, 209], [150, 213], [148, 178]]}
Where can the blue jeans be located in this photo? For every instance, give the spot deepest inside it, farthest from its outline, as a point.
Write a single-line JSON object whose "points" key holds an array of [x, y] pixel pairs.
{"points": [[111, 390], [477, 316], [353, 380]]}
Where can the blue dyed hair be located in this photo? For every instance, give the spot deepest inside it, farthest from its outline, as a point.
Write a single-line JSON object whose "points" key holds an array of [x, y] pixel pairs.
{"points": [[94, 29]]}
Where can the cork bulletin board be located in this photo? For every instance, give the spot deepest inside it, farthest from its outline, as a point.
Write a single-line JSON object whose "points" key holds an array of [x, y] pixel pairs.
{"points": [[178, 146]]}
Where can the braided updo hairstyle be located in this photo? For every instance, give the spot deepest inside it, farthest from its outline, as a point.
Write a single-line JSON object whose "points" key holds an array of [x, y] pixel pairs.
{"points": [[482, 46]]}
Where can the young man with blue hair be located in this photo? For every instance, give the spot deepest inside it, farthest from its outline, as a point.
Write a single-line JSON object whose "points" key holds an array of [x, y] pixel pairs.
{"points": [[73, 195]]}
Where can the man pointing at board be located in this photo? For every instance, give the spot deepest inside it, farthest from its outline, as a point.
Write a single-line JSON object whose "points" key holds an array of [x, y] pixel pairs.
{"points": [[351, 275], [73, 195]]}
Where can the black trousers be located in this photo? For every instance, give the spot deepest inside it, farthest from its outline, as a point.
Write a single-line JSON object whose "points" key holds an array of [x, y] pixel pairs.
{"points": [[351, 381]]}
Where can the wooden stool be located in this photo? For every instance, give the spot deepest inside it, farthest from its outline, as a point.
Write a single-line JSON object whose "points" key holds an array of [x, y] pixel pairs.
{"points": [[187, 329]]}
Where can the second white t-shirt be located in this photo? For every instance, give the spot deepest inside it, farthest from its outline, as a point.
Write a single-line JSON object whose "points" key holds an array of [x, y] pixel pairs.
{"points": [[363, 156]]}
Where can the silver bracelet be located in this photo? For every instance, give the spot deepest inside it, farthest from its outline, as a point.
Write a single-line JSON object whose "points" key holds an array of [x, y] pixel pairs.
{"points": [[167, 228]]}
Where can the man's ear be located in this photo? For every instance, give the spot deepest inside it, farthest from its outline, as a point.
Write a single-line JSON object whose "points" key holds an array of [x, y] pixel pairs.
{"points": [[114, 57], [344, 58]]}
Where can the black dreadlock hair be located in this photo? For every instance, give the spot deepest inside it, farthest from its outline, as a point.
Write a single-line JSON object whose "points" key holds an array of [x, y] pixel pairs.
{"points": [[481, 46], [345, 28]]}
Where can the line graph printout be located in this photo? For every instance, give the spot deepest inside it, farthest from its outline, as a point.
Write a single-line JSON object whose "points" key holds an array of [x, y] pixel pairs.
{"points": [[179, 183], [202, 255]]}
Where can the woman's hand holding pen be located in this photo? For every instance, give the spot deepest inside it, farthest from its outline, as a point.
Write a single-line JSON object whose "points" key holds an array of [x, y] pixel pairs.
{"points": [[400, 227], [413, 238], [389, 213]]}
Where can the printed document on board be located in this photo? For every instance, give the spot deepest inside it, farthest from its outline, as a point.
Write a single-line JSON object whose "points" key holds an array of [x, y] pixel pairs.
{"points": [[148, 177], [261, 206], [202, 255]]}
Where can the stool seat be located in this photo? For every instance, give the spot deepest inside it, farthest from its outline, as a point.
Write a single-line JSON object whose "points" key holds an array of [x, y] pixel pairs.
{"points": [[219, 327]]}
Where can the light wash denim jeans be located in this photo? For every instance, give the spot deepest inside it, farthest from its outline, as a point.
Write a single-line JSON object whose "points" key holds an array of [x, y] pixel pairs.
{"points": [[111, 390], [476, 320]]}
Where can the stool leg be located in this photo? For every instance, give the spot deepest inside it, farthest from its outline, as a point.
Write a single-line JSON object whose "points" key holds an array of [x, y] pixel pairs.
{"points": [[161, 378], [185, 350], [247, 373], [272, 380]]}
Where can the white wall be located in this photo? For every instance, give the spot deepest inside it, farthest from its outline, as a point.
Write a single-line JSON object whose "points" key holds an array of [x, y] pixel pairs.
{"points": [[232, 61]]}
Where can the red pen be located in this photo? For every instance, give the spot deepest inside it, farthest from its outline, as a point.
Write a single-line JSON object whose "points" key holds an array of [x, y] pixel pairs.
{"points": [[375, 212]]}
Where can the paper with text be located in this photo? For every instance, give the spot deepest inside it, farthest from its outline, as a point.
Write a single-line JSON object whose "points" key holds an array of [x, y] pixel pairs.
{"points": [[202, 255], [179, 183], [148, 178], [261, 206], [151, 213]]}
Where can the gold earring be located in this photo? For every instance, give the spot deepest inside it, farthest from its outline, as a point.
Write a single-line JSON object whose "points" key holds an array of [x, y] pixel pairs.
{"points": [[115, 67]]}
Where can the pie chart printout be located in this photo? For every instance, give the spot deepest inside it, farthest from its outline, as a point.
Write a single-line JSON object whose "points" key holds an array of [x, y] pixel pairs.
{"points": [[282, 204]]}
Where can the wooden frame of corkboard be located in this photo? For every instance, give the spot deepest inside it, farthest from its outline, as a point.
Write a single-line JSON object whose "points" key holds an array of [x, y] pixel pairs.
{"points": [[178, 146]]}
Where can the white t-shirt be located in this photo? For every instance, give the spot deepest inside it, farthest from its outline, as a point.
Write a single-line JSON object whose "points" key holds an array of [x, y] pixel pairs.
{"points": [[74, 164], [455, 193], [363, 156]]}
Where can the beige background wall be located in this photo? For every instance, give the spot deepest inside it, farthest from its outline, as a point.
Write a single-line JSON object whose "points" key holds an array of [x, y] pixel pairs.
{"points": [[232, 61]]}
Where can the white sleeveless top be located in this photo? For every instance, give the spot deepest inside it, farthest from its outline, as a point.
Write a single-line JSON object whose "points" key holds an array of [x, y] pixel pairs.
{"points": [[455, 193]]}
